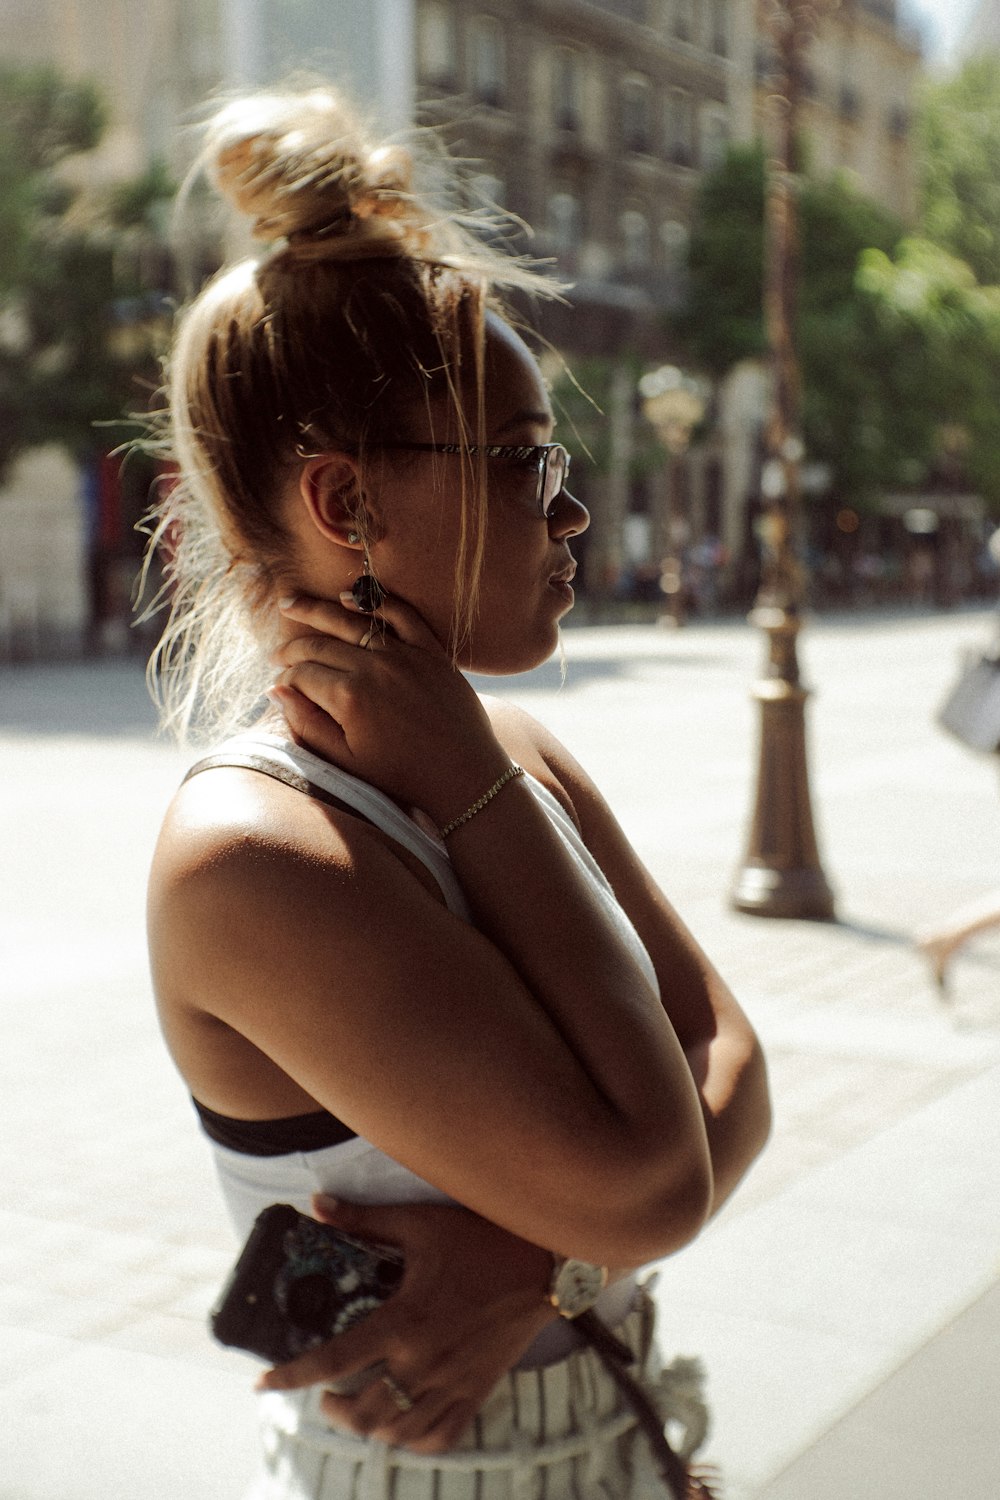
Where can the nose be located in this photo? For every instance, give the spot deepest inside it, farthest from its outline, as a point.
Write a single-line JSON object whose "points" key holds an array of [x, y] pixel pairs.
{"points": [[568, 516]]}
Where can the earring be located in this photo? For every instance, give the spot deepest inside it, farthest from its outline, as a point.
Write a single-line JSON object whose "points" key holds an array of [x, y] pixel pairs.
{"points": [[353, 538], [367, 592]]}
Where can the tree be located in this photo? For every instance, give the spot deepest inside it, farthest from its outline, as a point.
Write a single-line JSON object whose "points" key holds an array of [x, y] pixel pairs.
{"points": [[848, 419], [66, 295], [721, 321], [940, 331], [959, 140]]}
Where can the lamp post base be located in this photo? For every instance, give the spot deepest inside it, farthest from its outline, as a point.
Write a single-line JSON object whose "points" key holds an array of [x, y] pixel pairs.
{"points": [[765, 892], [781, 874]]}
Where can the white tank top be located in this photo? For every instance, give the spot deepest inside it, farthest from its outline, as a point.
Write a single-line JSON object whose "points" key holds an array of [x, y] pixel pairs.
{"points": [[355, 1170]]}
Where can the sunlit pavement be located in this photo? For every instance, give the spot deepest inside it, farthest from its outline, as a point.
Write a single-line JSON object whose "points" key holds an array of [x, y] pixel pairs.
{"points": [[843, 1302]]}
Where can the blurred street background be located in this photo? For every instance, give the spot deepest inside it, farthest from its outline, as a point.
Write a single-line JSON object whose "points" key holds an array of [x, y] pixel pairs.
{"points": [[637, 138], [846, 1303]]}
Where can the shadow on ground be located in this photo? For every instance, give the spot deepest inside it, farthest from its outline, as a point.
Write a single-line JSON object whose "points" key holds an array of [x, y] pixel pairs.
{"points": [[107, 699]]}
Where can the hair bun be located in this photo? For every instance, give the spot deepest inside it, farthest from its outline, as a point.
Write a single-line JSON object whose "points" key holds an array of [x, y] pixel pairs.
{"points": [[299, 166]]}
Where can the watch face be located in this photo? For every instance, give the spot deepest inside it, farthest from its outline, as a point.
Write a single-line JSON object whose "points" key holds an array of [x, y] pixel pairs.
{"points": [[576, 1286]]}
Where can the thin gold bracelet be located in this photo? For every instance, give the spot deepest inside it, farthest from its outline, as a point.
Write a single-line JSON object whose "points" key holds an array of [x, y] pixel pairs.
{"points": [[511, 773]]}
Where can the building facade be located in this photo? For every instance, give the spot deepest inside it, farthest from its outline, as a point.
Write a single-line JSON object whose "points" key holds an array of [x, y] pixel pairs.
{"points": [[863, 70], [982, 33], [592, 121]]}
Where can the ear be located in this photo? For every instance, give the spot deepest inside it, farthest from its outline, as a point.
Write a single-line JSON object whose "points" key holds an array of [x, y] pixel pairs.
{"points": [[330, 489]]}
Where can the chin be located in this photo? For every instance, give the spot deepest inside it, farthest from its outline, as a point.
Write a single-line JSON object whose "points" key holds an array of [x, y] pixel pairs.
{"points": [[509, 659]]}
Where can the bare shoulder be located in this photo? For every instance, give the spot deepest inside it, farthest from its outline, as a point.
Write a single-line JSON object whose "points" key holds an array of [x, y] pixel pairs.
{"points": [[245, 863], [223, 824]]}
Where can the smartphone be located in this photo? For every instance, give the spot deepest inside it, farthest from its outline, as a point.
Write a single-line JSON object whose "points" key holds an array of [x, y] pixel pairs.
{"points": [[298, 1283]]}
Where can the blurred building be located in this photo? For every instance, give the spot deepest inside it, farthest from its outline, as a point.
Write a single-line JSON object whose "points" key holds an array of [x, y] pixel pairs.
{"points": [[591, 120], [864, 69], [982, 32], [157, 63]]}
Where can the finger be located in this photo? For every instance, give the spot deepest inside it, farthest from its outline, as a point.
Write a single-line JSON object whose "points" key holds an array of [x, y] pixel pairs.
{"points": [[402, 619], [391, 1223], [445, 1431], [311, 725], [328, 1364], [375, 1414], [339, 652], [330, 690]]}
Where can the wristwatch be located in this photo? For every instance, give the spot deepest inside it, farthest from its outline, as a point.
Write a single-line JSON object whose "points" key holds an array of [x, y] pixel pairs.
{"points": [[575, 1285]]}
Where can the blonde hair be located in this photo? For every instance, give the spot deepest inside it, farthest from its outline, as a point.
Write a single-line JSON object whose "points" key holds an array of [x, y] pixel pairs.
{"points": [[369, 300]]}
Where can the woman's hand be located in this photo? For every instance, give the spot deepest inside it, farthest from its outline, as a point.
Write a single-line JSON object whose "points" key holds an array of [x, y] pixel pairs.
{"points": [[472, 1300], [378, 696]]}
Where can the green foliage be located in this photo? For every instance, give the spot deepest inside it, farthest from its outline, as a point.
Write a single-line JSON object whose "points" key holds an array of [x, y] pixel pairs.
{"points": [[721, 320], [44, 118], [959, 138], [898, 343], [133, 204], [941, 330], [64, 278]]}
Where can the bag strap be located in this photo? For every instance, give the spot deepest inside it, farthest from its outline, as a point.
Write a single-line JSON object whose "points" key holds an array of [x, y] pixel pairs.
{"points": [[681, 1483]]}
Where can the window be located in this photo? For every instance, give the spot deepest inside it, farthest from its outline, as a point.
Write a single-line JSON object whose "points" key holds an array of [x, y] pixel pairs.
{"points": [[675, 238], [637, 134], [436, 55], [637, 241], [565, 222], [488, 60], [714, 140], [684, 20], [720, 27], [849, 102], [680, 132], [567, 89], [898, 122], [632, 10]]}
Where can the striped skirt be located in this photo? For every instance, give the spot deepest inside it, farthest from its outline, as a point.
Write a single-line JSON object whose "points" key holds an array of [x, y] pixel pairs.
{"points": [[559, 1432]]}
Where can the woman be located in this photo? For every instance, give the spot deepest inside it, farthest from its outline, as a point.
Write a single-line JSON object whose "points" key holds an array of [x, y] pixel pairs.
{"points": [[391, 965]]}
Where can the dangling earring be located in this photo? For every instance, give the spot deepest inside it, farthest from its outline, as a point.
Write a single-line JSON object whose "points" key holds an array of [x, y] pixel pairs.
{"points": [[367, 592]]}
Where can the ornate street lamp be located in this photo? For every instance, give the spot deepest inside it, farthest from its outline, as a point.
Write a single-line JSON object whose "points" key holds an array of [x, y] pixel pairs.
{"points": [[781, 874], [674, 403]]}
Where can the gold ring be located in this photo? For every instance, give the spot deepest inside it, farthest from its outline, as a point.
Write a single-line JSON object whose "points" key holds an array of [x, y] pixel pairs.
{"points": [[366, 640], [403, 1399]]}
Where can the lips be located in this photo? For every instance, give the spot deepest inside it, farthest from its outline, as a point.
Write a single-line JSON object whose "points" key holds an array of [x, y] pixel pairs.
{"points": [[566, 575]]}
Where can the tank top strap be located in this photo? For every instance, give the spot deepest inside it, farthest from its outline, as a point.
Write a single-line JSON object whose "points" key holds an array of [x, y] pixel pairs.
{"points": [[298, 768]]}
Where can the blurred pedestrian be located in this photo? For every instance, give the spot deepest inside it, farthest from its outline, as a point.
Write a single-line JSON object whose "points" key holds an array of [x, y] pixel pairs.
{"points": [[402, 952], [940, 944]]}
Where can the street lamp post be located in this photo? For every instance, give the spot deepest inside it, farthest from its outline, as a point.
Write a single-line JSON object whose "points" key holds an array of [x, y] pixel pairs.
{"points": [[781, 874], [674, 403]]}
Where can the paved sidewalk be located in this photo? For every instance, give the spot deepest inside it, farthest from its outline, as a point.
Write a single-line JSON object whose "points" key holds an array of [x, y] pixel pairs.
{"points": [[845, 1300]]}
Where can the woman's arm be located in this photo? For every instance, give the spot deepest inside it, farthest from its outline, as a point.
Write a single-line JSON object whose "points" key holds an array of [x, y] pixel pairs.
{"points": [[523, 1065], [723, 1052]]}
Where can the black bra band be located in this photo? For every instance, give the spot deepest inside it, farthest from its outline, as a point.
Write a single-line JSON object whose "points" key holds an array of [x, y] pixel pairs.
{"points": [[282, 1137]]}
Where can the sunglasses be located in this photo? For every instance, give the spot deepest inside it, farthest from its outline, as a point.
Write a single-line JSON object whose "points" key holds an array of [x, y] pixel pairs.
{"points": [[550, 461]]}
